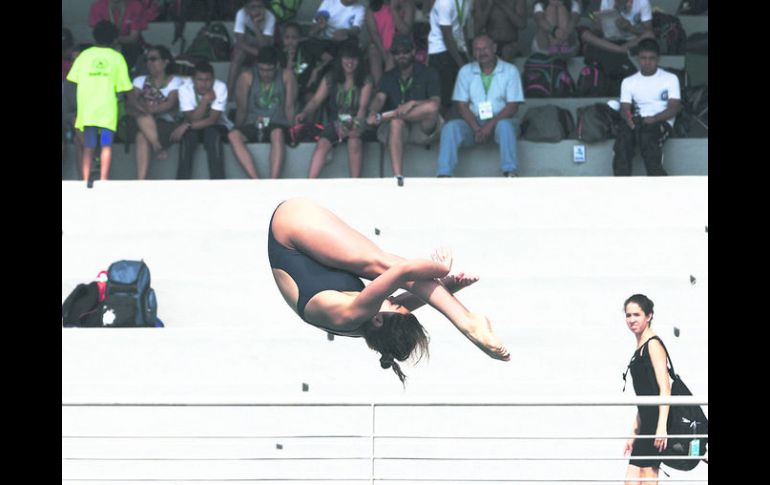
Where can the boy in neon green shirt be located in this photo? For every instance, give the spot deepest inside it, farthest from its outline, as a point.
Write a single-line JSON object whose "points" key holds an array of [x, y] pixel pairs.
{"points": [[100, 73]]}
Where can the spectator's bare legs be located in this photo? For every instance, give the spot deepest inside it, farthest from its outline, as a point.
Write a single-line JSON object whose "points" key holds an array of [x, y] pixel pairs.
{"points": [[239, 56], [85, 162], [277, 152], [376, 60], [355, 155], [149, 128], [79, 142], [375, 63], [318, 160], [543, 37], [396, 146], [142, 156], [238, 144], [105, 160], [426, 114]]}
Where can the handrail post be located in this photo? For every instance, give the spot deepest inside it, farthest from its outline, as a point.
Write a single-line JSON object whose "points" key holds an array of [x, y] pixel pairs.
{"points": [[372, 448]]}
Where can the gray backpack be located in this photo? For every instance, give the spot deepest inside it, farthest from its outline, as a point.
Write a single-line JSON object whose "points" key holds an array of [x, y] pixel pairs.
{"points": [[597, 122], [547, 123]]}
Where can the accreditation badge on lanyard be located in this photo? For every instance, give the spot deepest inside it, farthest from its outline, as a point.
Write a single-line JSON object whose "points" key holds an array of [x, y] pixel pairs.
{"points": [[485, 107]]}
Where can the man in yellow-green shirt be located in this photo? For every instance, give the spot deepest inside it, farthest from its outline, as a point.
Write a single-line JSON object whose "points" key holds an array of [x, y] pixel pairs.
{"points": [[100, 72]]}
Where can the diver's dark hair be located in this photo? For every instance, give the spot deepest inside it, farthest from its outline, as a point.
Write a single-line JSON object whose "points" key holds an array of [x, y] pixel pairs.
{"points": [[644, 303], [399, 338]]}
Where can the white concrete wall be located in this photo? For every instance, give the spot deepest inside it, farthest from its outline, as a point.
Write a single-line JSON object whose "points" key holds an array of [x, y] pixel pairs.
{"points": [[556, 256]]}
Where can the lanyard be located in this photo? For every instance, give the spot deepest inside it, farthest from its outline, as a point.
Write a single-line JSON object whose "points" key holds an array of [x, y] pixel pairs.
{"points": [[404, 87], [266, 96], [486, 80], [460, 9], [347, 102], [298, 62]]}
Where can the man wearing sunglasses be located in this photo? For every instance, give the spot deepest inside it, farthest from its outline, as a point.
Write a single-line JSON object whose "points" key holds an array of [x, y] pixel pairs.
{"points": [[410, 93]]}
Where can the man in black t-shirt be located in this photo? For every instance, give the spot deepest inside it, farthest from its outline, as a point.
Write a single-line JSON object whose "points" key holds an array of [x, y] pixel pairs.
{"points": [[410, 96]]}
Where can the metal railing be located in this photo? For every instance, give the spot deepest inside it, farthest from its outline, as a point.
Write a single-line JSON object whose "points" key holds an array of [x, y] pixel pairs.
{"points": [[372, 436]]}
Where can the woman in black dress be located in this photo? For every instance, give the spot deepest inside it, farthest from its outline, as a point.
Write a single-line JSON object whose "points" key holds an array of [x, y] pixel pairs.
{"points": [[650, 375]]}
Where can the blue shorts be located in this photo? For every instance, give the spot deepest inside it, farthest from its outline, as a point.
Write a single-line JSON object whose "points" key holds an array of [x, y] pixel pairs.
{"points": [[91, 131]]}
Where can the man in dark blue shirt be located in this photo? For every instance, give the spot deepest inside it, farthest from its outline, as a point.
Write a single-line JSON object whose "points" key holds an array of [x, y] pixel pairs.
{"points": [[410, 95]]}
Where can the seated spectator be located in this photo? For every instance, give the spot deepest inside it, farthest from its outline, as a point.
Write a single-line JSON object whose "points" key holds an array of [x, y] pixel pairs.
{"points": [[100, 72], [264, 98], [202, 101], [346, 91], [655, 96], [336, 22], [153, 108], [254, 29], [411, 95], [129, 17], [446, 43], [488, 93], [69, 108], [502, 20], [619, 26], [306, 62], [385, 19], [556, 21]]}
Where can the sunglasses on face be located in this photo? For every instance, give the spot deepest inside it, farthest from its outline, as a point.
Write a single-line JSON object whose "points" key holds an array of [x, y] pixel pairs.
{"points": [[401, 52]]}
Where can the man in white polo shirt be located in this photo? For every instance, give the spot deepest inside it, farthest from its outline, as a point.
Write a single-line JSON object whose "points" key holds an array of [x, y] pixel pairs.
{"points": [[649, 103], [488, 93]]}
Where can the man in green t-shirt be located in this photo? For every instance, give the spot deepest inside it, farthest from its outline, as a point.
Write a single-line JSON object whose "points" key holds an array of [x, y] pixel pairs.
{"points": [[100, 72]]}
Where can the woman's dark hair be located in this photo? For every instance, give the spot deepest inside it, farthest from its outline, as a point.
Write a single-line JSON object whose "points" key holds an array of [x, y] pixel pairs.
{"points": [[644, 303], [166, 55], [399, 338], [350, 49], [376, 5]]}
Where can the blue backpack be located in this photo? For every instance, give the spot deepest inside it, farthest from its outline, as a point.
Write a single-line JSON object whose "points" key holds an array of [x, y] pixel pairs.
{"points": [[129, 301]]}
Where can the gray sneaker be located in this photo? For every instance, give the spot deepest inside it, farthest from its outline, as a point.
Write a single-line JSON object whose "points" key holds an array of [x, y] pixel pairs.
{"points": [[510, 174]]}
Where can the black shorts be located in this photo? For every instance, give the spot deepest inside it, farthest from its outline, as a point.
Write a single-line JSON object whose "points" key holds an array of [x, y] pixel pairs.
{"points": [[128, 129], [252, 133]]}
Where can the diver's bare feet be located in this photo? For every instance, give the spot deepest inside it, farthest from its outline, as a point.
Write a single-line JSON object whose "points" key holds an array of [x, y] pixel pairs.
{"points": [[456, 282], [484, 337]]}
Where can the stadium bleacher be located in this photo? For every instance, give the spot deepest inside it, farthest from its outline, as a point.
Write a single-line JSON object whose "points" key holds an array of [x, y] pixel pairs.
{"points": [[683, 156]]}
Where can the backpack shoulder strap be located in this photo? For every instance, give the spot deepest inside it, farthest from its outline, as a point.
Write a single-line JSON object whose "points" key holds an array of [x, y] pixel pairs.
{"points": [[668, 355]]}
